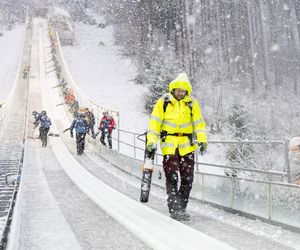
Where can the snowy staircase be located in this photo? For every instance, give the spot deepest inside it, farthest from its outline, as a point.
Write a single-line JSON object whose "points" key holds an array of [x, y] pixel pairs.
{"points": [[12, 139], [11, 157]]}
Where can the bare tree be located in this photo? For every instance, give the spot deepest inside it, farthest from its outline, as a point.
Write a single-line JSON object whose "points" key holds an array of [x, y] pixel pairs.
{"points": [[273, 11], [263, 42], [289, 30]]}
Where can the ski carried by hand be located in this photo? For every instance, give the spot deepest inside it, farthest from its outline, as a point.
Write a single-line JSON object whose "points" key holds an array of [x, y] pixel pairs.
{"points": [[60, 104], [148, 166], [53, 134], [66, 129]]}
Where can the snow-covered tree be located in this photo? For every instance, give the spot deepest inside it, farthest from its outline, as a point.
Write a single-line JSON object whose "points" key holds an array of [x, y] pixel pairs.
{"points": [[161, 72], [228, 48], [239, 155]]}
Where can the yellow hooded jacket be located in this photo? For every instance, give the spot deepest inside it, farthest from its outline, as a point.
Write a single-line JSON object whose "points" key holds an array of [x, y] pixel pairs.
{"points": [[177, 119]]}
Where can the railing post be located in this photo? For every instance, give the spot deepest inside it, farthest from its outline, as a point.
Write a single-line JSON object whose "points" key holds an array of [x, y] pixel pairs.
{"points": [[118, 131], [287, 161], [196, 160], [270, 202], [231, 193], [134, 147], [202, 186]]}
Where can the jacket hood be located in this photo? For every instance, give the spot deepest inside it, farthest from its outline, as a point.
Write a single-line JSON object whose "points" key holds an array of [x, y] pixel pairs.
{"points": [[181, 82], [169, 97]]}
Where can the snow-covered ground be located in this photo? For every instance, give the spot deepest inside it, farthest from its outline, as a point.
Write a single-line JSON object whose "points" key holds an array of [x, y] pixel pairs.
{"points": [[10, 51], [105, 76]]}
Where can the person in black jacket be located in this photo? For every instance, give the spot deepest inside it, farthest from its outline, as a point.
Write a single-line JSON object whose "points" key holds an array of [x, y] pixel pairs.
{"points": [[107, 125], [44, 121], [80, 125], [90, 118]]}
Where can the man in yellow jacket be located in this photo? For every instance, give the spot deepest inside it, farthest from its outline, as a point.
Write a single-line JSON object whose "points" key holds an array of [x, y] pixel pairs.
{"points": [[176, 119]]}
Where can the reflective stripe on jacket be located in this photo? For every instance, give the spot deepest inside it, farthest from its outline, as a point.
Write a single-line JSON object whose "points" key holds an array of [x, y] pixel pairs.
{"points": [[176, 119]]}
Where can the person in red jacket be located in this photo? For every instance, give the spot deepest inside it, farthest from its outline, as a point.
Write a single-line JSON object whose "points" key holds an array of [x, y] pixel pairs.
{"points": [[106, 127]]}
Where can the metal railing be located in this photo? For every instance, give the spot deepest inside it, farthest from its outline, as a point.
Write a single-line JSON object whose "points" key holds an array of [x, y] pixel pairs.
{"points": [[135, 149]]}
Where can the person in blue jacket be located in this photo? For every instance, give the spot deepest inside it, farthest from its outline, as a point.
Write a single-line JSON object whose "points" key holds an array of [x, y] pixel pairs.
{"points": [[80, 125], [45, 123]]}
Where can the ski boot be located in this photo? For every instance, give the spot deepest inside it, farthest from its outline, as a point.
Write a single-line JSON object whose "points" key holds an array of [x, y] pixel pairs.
{"points": [[179, 215]]}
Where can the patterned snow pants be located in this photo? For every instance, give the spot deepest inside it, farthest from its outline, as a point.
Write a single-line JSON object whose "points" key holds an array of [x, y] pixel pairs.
{"points": [[80, 141], [174, 165], [43, 135]]}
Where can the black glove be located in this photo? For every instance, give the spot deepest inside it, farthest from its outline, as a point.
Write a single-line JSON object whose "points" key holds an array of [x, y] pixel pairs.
{"points": [[35, 124], [72, 134], [202, 146]]}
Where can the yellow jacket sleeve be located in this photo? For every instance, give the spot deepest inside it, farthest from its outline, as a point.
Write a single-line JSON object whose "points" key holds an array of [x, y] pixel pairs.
{"points": [[199, 123], [155, 122]]}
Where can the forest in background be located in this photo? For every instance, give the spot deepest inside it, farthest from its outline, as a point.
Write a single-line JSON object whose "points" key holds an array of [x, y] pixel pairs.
{"points": [[242, 58]]}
